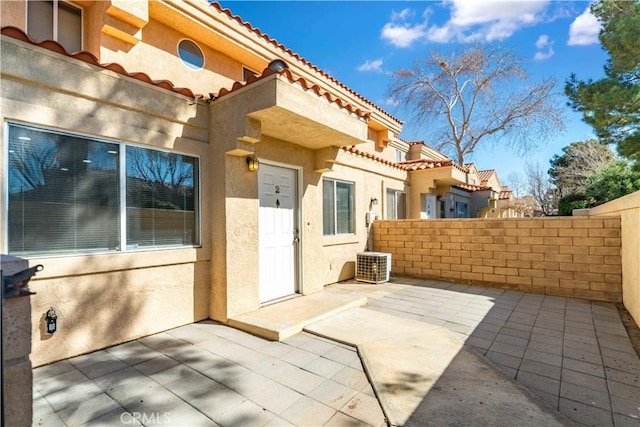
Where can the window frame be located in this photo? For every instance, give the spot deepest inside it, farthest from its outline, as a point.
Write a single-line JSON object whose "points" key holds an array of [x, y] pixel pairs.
{"points": [[399, 155], [184, 62], [123, 246], [55, 27], [352, 225], [461, 208], [245, 71], [395, 203]]}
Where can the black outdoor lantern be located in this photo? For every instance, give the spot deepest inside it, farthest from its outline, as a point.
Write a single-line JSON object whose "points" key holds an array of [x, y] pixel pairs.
{"points": [[51, 321]]}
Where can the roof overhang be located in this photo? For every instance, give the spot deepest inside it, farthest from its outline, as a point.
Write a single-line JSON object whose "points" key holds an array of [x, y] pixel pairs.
{"points": [[280, 109], [441, 176]]}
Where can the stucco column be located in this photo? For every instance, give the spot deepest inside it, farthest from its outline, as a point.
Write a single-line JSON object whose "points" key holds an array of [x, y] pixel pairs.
{"points": [[16, 347]]}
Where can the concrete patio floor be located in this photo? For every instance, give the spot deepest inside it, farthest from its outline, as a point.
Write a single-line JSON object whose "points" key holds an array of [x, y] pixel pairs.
{"points": [[573, 354]]}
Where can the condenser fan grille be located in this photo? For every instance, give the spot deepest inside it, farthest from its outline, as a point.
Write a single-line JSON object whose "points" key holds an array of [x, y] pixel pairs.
{"points": [[373, 267]]}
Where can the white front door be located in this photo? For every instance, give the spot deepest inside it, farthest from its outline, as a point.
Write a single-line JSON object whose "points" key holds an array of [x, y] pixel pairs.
{"points": [[278, 231]]}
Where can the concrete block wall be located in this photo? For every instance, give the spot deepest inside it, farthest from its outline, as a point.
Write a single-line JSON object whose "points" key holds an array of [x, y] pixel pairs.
{"points": [[565, 256]]}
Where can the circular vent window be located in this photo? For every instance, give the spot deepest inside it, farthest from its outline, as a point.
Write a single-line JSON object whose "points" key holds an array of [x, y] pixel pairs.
{"points": [[191, 54]]}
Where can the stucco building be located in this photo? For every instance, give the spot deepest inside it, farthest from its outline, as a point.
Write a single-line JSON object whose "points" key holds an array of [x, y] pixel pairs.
{"points": [[167, 162]]}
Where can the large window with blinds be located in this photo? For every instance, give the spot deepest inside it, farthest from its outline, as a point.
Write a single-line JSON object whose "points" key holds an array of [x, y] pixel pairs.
{"points": [[55, 20], [73, 194]]}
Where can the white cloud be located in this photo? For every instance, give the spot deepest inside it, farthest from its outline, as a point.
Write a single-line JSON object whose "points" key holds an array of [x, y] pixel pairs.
{"points": [[371, 65], [402, 35], [487, 20], [402, 15], [543, 41], [584, 30], [545, 48]]}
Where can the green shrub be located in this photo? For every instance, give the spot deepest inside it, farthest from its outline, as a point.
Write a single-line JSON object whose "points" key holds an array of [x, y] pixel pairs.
{"points": [[567, 204]]}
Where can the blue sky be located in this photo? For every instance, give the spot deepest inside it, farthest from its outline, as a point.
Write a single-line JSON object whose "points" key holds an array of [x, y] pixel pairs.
{"points": [[361, 43]]}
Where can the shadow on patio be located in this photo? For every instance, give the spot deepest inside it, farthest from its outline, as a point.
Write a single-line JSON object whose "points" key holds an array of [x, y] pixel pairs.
{"points": [[572, 354]]}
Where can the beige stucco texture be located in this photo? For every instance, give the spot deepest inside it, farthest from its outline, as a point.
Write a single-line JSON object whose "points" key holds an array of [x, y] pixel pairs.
{"points": [[627, 208], [282, 123], [104, 299]]}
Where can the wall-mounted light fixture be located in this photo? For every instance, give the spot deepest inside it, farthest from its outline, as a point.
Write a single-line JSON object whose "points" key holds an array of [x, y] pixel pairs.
{"points": [[252, 163], [278, 65], [374, 201]]}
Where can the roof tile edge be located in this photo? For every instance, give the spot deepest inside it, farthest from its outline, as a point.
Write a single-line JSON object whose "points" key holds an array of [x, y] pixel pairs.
{"points": [[280, 46], [91, 59], [300, 81]]}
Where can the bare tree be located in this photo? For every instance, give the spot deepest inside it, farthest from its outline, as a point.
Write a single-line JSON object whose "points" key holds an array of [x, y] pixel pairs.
{"points": [[524, 206], [474, 96], [569, 172], [517, 183], [540, 188]]}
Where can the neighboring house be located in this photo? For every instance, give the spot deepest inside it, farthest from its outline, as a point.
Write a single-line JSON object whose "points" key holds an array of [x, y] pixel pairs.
{"points": [[151, 206]]}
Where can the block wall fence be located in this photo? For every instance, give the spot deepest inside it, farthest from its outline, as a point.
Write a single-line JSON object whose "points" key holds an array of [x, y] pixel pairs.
{"points": [[565, 256]]}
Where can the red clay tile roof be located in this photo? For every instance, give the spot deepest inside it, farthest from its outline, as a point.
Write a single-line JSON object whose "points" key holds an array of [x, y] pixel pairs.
{"points": [[421, 164], [296, 80], [486, 174], [417, 165], [89, 58], [353, 150], [472, 187], [275, 43], [505, 193], [421, 142]]}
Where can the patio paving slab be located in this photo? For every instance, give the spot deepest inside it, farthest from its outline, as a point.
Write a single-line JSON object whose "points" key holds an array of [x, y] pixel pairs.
{"points": [[418, 370], [526, 360]]}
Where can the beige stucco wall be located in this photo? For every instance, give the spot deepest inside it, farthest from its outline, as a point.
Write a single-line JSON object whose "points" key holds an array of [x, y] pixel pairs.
{"points": [[157, 55], [564, 256], [431, 181], [13, 14], [323, 260], [628, 209], [104, 299]]}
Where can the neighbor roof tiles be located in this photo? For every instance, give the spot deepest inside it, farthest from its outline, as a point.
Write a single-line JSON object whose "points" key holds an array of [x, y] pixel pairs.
{"points": [[421, 164], [472, 187], [486, 174]]}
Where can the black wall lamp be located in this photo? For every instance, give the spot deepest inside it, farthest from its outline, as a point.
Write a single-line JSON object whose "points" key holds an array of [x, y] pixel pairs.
{"points": [[277, 65], [252, 163], [373, 201]]}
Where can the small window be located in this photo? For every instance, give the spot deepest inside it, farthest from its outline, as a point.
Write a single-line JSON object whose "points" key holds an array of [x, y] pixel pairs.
{"points": [[396, 204], [55, 20], [461, 210], [191, 54], [399, 156], [246, 73], [337, 207], [66, 195]]}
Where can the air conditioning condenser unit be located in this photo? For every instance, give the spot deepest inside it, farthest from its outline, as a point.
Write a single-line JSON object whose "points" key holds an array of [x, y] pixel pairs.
{"points": [[373, 267]]}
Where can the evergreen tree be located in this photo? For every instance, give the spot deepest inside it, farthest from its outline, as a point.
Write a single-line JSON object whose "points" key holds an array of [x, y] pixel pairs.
{"points": [[612, 104]]}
